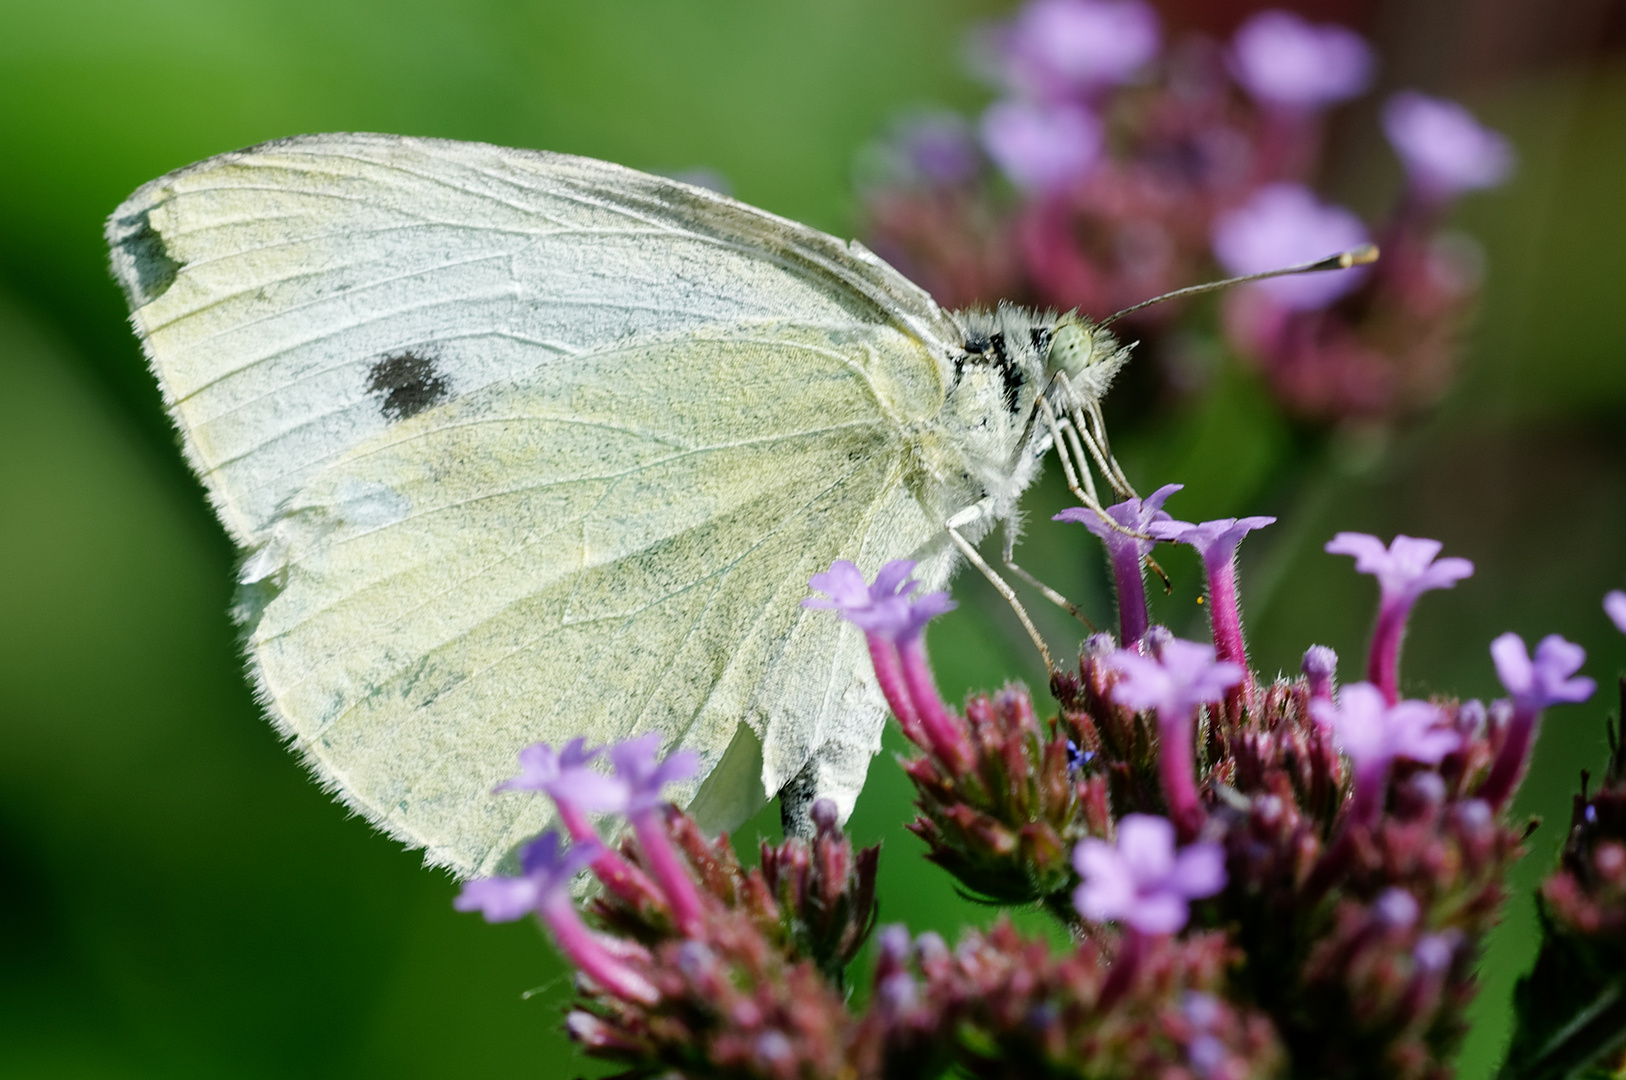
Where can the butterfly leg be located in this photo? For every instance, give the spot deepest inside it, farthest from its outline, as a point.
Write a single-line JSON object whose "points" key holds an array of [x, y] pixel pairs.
{"points": [[1044, 590], [977, 513]]}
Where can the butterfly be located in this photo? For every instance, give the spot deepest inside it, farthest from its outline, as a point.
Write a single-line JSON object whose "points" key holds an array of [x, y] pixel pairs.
{"points": [[521, 446]]}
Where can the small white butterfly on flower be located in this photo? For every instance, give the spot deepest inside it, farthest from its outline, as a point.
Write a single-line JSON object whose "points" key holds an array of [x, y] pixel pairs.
{"points": [[522, 446]]}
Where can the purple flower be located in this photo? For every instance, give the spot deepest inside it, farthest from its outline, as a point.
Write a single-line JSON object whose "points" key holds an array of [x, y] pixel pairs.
{"points": [[1285, 61], [1143, 881], [544, 889], [1059, 46], [637, 783], [1320, 667], [540, 765], [938, 148], [1445, 150], [1041, 148], [1397, 908], [1405, 570], [1614, 605], [1533, 685], [566, 777], [885, 608], [548, 868], [1216, 541], [1371, 730], [1125, 549], [892, 620], [1185, 676], [636, 790], [1546, 680], [1373, 733], [1282, 225]]}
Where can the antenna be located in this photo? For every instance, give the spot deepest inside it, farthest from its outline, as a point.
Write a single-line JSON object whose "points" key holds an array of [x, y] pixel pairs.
{"points": [[1360, 256]]}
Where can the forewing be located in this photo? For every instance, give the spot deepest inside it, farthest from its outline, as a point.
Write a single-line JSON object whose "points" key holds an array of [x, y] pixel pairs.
{"points": [[611, 546], [298, 297]]}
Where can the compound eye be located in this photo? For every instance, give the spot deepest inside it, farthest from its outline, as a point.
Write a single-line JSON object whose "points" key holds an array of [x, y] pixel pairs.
{"points": [[1072, 348]]}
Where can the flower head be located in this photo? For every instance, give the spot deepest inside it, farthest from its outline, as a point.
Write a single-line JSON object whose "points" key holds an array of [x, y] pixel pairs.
{"points": [[636, 783], [885, 608], [1445, 150], [1184, 676], [1283, 225], [1406, 569], [1059, 46], [1614, 605], [1546, 680], [1134, 515], [1286, 61], [1215, 541], [1042, 148], [548, 868], [1373, 732], [1142, 880]]}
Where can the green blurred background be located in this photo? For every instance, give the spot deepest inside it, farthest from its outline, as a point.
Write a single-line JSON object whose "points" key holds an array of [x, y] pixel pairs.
{"points": [[176, 899]]}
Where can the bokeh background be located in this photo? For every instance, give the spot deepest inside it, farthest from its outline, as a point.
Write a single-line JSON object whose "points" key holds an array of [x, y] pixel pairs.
{"points": [[176, 899]]}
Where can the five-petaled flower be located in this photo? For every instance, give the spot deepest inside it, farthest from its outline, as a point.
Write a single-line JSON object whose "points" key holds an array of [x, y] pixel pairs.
{"points": [[1533, 684], [1042, 148], [892, 615], [543, 889], [1614, 606], [1143, 881], [1216, 542], [1181, 677], [636, 790], [1058, 48], [1284, 61], [1405, 570], [1373, 733], [1445, 150], [1128, 540]]}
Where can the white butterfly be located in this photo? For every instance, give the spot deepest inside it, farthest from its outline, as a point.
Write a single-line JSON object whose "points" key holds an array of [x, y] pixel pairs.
{"points": [[524, 446]]}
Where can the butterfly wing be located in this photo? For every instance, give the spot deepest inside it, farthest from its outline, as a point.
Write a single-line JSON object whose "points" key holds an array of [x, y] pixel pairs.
{"points": [[297, 298], [610, 546]]}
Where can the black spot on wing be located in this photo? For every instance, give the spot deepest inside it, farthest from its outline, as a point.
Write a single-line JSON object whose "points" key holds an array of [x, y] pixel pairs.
{"points": [[407, 384], [148, 259]]}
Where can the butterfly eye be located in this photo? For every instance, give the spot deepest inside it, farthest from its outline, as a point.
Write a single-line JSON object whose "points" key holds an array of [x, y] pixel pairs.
{"points": [[1072, 348]]}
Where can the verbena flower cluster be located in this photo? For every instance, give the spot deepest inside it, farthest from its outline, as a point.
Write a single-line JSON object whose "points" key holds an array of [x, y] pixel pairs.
{"points": [[1260, 876], [1113, 167]]}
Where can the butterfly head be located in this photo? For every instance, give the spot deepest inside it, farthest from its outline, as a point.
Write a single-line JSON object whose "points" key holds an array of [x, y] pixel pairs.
{"points": [[1083, 356]]}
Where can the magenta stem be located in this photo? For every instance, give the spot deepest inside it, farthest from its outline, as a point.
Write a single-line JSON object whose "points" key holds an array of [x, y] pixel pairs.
{"points": [[588, 954], [1383, 661], [1371, 791], [1225, 619], [1126, 575], [1178, 768], [674, 879], [1511, 759], [618, 875], [883, 657], [944, 730], [1125, 966]]}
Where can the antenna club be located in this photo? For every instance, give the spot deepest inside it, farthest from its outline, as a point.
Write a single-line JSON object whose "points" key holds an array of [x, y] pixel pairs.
{"points": [[1361, 256]]}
